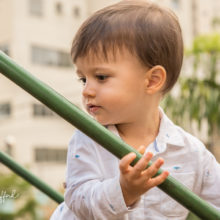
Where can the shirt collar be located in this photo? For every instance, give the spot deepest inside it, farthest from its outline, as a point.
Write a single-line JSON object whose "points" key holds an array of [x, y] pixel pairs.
{"points": [[169, 133]]}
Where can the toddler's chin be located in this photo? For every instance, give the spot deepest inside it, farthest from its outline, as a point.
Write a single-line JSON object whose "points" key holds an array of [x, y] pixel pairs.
{"points": [[104, 123]]}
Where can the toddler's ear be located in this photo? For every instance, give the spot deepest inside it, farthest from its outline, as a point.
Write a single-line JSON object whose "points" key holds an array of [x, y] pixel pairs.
{"points": [[155, 79]]}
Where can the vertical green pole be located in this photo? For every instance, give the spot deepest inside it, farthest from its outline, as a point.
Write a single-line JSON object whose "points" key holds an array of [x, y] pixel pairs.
{"points": [[97, 132]]}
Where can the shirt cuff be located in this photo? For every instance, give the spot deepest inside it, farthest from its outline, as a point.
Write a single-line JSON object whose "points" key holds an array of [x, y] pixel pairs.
{"points": [[115, 199], [135, 205]]}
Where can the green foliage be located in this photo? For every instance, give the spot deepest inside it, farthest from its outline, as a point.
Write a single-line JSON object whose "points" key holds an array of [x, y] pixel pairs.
{"points": [[206, 44], [199, 96], [25, 203]]}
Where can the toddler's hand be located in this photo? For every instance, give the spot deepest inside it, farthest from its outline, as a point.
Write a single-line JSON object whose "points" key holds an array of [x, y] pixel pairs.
{"points": [[136, 180]]}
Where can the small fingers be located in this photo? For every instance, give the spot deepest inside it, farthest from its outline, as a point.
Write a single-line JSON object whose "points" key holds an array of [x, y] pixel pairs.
{"points": [[158, 179], [126, 161], [142, 164], [152, 170]]}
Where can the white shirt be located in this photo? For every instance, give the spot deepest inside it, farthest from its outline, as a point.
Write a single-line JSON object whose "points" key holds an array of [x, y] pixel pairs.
{"points": [[93, 188]]}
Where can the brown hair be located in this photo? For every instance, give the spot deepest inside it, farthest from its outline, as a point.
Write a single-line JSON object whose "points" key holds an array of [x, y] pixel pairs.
{"points": [[146, 30]]}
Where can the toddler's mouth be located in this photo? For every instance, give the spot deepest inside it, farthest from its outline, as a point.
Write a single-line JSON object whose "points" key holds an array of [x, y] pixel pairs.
{"points": [[93, 108]]}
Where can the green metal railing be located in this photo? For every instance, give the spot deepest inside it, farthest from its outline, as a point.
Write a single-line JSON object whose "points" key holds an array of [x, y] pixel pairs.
{"points": [[100, 134]]}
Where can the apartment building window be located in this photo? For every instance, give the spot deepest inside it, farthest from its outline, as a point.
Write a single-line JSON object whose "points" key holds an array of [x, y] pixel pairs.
{"points": [[59, 8], [48, 57], [40, 110], [5, 49], [36, 7], [5, 110], [43, 154], [76, 12]]}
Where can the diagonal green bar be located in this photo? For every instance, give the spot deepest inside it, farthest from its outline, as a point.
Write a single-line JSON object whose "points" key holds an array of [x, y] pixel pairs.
{"points": [[29, 177], [97, 132]]}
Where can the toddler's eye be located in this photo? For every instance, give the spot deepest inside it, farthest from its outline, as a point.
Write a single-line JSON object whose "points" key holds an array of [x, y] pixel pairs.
{"points": [[83, 80], [101, 77]]}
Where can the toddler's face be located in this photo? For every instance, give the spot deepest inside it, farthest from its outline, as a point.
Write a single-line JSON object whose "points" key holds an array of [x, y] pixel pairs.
{"points": [[113, 90]]}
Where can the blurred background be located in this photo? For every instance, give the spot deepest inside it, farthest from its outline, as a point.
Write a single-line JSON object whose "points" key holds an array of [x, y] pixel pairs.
{"points": [[37, 34]]}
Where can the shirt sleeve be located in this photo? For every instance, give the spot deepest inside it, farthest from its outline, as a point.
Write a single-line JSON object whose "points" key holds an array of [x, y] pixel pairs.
{"points": [[88, 194], [211, 180]]}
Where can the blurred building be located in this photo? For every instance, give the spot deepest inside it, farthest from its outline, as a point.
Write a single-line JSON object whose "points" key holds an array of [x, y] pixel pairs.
{"points": [[196, 17], [37, 34]]}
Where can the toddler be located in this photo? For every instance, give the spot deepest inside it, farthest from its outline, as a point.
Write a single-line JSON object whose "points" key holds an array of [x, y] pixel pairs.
{"points": [[128, 56]]}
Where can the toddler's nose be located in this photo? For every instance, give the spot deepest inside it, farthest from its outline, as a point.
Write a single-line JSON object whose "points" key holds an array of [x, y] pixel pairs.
{"points": [[88, 90]]}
